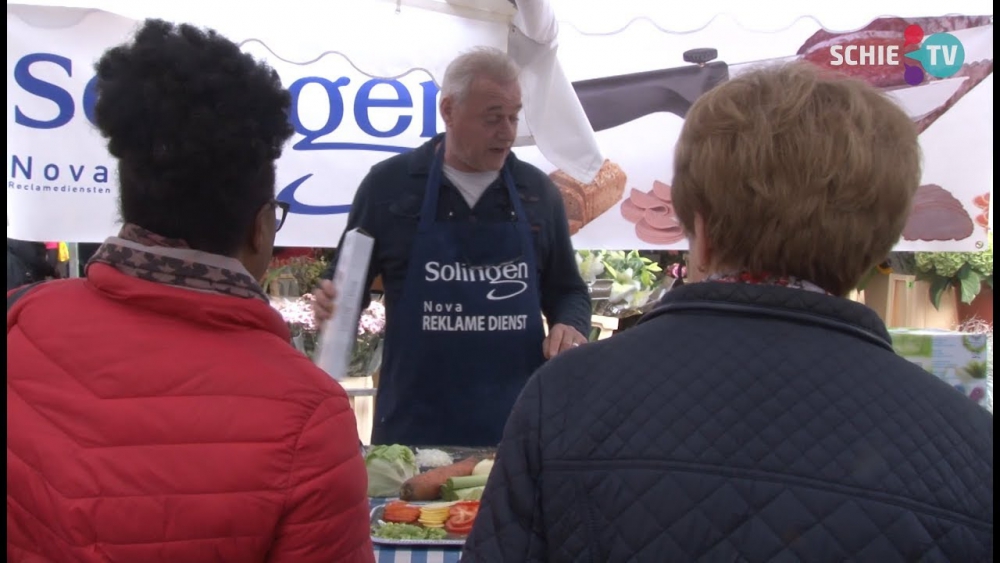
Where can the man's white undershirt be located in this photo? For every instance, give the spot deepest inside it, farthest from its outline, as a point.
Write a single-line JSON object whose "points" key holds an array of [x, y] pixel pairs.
{"points": [[472, 185]]}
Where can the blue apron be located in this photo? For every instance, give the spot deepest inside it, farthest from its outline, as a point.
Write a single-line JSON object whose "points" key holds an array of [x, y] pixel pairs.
{"points": [[466, 332]]}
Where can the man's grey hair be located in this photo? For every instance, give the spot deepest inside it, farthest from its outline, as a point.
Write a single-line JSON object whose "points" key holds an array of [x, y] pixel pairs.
{"points": [[481, 62]]}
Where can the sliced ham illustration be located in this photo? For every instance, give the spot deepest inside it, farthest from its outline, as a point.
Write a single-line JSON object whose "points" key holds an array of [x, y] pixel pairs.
{"points": [[644, 200], [653, 215], [660, 217], [662, 191], [650, 234], [631, 211], [937, 215]]}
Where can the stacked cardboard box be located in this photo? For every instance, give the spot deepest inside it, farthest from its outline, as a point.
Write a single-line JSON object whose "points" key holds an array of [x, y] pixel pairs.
{"points": [[963, 360]]}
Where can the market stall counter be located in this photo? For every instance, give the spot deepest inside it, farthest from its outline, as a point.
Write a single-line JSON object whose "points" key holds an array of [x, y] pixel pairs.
{"points": [[424, 500]]}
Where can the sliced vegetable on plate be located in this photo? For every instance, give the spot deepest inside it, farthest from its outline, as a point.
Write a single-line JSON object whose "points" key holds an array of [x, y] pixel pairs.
{"points": [[401, 512], [461, 517], [434, 515], [439, 523]]}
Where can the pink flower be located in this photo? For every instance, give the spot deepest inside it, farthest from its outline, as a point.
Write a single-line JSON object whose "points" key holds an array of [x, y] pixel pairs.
{"points": [[297, 313], [372, 320]]}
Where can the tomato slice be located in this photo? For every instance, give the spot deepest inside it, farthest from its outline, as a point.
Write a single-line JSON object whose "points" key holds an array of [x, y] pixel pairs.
{"points": [[452, 526], [464, 508], [461, 517]]}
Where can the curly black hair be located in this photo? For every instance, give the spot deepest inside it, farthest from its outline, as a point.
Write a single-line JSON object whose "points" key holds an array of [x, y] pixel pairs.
{"points": [[196, 126]]}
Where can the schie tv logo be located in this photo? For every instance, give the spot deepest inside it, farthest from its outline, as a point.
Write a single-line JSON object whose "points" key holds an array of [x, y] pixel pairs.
{"points": [[941, 55]]}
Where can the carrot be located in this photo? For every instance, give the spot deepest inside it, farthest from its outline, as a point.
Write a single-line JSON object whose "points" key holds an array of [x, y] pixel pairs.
{"points": [[400, 512], [427, 486]]}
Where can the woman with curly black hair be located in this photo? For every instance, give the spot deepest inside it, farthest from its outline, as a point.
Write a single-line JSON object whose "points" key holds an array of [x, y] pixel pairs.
{"points": [[156, 409]]}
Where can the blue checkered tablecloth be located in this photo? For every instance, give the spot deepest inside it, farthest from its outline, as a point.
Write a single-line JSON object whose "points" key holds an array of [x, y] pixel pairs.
{"points": [[388, 554]]}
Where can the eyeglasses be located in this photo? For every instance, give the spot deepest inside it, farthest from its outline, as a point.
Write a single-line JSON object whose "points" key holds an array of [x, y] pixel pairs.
{"points": [[280, 213]]}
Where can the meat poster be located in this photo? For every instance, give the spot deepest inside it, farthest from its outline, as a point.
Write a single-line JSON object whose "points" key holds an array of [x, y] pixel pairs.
{"points": [[361, 93], [637, 105]]}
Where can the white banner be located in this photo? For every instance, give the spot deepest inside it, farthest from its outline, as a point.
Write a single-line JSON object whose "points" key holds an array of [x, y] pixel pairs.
{"points": [[630, 76]]}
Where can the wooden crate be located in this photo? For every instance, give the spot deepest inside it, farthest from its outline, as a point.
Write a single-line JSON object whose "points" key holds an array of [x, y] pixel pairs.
{"points": [[891, 296], [926, 316], [361, 391], [606, 325], [903, 302]]}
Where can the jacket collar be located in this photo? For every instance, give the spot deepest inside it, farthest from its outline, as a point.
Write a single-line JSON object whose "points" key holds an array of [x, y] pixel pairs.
{"points": [[422, 157], [780, 303], [205, 309]]}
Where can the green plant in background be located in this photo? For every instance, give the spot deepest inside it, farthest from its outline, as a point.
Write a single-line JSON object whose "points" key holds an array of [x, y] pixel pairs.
{"points": [[966, 271], [305, 269], [633, 277], [976, 370], [591, 265]]}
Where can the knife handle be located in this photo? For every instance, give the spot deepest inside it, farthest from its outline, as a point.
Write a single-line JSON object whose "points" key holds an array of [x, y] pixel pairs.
{"points": [[615, 100]]}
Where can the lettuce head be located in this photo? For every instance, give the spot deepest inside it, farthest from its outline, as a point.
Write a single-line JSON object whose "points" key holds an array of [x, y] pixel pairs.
{"points": [[388, 468]]}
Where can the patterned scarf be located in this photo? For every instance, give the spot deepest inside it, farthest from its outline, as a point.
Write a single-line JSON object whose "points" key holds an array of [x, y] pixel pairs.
{"points": [[767, 279], [139, 253]]}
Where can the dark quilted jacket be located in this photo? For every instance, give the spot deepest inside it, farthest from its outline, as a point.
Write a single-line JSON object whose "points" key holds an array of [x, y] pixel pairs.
{"points": [[741, 423]]}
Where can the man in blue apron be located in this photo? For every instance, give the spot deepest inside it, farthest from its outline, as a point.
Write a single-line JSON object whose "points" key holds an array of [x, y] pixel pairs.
{"points": [[472, 246]]}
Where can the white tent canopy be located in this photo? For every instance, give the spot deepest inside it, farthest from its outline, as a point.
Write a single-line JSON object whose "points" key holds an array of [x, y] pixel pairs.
{"points": [[559, 43], [389, 39]]}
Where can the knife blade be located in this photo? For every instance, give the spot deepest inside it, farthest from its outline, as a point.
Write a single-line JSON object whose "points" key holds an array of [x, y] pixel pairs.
{"points": [[674, 90]]}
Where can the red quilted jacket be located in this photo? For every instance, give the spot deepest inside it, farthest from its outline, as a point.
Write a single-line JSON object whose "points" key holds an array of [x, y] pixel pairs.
{"points": [[150, 423]]}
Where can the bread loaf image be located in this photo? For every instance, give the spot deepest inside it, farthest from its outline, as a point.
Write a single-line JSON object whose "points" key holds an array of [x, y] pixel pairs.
{"points": [[586, 202]]}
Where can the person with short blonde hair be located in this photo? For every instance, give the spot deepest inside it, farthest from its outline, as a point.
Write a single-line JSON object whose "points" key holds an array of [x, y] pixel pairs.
{"points": [[756, 414], [790, 172]]}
